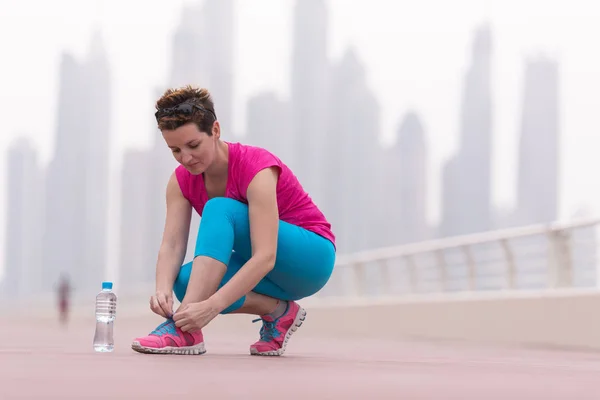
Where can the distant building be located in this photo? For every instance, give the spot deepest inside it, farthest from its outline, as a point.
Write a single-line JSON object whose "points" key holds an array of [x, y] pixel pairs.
{"points": [[76, 194], [23, 250], [467, 186], [538, 173]]}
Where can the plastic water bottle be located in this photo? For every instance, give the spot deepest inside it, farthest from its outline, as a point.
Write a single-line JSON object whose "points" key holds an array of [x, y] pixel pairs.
{"points": [[106, 310]]}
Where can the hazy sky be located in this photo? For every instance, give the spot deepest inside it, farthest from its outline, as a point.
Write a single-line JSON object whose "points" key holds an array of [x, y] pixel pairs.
{"points": [[415, 54]]}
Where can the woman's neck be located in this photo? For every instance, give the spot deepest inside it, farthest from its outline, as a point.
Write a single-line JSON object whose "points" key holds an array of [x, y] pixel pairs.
{"points": [[218, 168]]}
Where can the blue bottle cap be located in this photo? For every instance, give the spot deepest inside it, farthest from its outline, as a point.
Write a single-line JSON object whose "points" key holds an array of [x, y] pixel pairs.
{"points": [[107, 285]]}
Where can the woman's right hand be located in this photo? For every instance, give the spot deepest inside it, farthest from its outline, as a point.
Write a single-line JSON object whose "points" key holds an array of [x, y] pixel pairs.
{"points": [[162, 304]]}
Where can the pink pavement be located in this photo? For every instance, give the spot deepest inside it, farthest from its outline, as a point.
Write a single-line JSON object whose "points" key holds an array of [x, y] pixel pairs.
{"points": [[61, 364]]}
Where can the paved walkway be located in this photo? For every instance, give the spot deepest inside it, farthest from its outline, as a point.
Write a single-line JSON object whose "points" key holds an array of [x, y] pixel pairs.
{"points": [[39, 360]]}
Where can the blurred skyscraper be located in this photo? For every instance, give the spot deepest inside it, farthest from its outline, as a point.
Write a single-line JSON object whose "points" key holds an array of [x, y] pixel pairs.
{"points": [[537, 187], [412, 175], [23, 235], [310, 92], [467, 176], [77, 179], [137, 257], [350, 166], [100, 122], [404, 187], [203, 54], [144, 177], [268, 125]]}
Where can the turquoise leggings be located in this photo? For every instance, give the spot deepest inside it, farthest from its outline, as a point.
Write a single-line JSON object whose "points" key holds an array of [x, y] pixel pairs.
{"points": [[303, 264]]}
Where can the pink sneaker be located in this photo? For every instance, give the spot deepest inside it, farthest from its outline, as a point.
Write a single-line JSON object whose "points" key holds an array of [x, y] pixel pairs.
{"points": [[168, 339], [275, 334]]}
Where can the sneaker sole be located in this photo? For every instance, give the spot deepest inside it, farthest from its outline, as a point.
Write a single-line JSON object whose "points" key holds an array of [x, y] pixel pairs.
{"points": [[196, 350], [297, 324]]}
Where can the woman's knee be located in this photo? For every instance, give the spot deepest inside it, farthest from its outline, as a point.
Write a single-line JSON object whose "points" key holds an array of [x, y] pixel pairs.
{"points": [[224, 227], [222, 205]]}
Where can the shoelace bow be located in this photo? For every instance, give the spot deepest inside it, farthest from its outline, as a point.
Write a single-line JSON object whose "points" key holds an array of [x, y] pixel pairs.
{"points": [[268, 330]]}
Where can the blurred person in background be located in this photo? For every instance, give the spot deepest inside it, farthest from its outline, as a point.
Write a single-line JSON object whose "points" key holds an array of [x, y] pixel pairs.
{"points": [[262, 244], [63, 291]]}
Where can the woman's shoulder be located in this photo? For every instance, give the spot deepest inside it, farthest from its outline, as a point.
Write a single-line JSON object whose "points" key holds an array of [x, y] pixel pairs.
{"points": [[247, 161], [248, 155]]}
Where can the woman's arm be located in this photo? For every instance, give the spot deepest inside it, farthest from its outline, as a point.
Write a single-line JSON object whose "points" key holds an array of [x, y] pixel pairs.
{"points": [[175, 237], [264, 225]]}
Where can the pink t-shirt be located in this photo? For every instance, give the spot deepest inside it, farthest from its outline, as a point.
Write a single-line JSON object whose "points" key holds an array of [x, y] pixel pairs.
{"points": [[295, 205]]}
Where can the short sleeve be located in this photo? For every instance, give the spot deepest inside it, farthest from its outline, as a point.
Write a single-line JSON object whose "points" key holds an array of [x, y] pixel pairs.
{"points": [[250, 165]]}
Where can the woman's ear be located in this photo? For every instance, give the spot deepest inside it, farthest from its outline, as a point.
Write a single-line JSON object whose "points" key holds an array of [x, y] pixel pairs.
{"points": [[216, 130]]}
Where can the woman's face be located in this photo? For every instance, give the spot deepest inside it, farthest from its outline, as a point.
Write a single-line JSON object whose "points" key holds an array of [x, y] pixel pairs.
{"points": [[193, 149]]}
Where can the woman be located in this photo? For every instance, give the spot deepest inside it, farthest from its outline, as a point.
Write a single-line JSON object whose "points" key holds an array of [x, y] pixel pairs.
{"points": [[262, 242]]}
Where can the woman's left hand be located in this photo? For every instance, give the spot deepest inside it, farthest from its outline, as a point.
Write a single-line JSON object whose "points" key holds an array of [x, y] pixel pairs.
{"points": [[195, 316]]}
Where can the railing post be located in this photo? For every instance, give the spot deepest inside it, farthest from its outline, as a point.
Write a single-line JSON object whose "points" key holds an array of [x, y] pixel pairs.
{"points": [[441, 260], [412, 274], [470, 266], [359, 279], [385, 274], [511, 269], [551, 279], [567, 259], [559, 263]]}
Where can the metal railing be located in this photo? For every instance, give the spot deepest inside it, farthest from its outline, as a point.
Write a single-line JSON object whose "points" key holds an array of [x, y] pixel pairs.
{"points": [[532, 258], [539, 257]]}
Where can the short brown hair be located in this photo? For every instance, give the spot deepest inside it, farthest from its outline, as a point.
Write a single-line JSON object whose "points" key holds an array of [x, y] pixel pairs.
{"points": [[202, 114]]}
